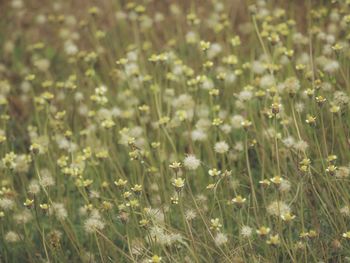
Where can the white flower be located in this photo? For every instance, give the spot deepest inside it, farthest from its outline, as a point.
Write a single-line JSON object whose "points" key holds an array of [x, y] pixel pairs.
{"points": [[301, 145], [214, 50], [245, 95], [93, 224], [46, 178], [246, 231], [238, 146], [230, 78], [190, 214], [345, 210], [278, 208], [191, 162], [70, 48], [161, 236], [58, 210], [23, 217], [291, 85], [7, 204], [258, 67], [284, 186], [17, 4], [34, 187], [207, 84], [299, 107], [341, 98], [236, 121], [12, 237], [342, 172], [289, 141], [331, 66], [221, 147], [220, 239], [191, 37], [267, 81], [78, 96], [198, 135]]}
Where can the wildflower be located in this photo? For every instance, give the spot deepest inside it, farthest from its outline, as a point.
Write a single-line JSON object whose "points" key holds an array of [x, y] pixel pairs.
{"points": [[175, 166], [275, 108], [345, 210], [217, 122], [144, 223], [246, 124], [198, 135], [273, 240], [239, 200], [155, 259], [191, 162], [334, 109], [320, 100], [126, 195], [311, 120], [190, 214], [287, 217], [35, 148], [220, 239], [246, 231], [58, 210], [44, 206], [34, 187], [284, 186], [6, 203], [337, 47], [304, 165], [341, 98], [46, 179], [211, 186], [331, 66], [227, 173], [265, 182], [331, 169], [178, 183], [28, 202], [263, 231], [310, 92], [12, 237], [346, 235], [121, 183], [300, 67], [312, 233], [108, 123], [106, 205], [204, 45], [277, 180], [137, 189], [342, 172], [54, 238], [94, 223], [221, 147], [292, 85], [278, 208], [174, 200], [236, 121], [214, 172], [9, 160], [215, 224], [23, 217]]}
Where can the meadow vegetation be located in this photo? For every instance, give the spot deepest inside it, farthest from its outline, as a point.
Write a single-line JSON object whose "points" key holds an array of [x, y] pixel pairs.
{"points": [[174, 131]]}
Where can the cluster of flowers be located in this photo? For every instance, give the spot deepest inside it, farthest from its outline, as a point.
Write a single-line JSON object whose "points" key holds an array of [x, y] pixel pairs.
{"points": [[148, 132]]}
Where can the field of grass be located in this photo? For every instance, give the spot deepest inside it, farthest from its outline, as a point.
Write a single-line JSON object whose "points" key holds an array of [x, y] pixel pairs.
{"points": [[174, 131]]}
